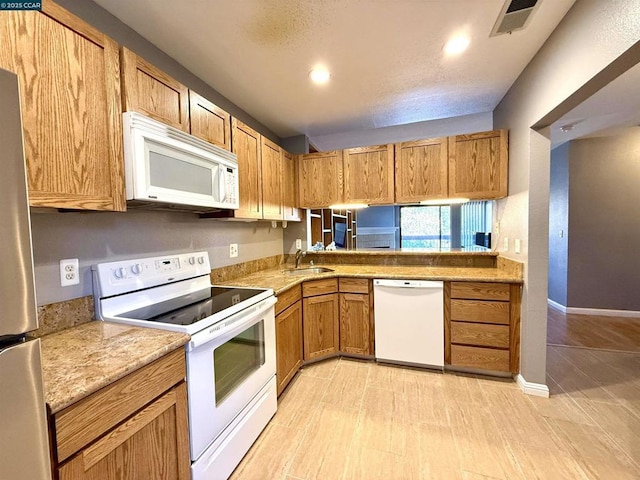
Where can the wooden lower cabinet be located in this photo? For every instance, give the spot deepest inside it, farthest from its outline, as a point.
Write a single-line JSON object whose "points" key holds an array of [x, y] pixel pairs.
{"points": [[132, 429], [288, 336], [482, 326], [320, 318], [356, 317]]}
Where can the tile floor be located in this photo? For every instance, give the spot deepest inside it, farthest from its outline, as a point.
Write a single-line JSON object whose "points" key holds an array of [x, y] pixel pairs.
{"points": [[347, 419]]}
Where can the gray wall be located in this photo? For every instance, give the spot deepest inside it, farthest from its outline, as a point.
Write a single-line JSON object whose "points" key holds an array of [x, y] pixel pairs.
{"points": [[558, 224], [604, 225], [594, 42], [378, 216], [101, 237]]}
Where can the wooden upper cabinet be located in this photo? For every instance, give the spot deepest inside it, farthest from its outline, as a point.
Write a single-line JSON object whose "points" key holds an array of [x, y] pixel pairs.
{"points": [[148, 90], [320, 179], [421, 169], [478, 165], [69, 75], [209, 122], [368, 175], [272, 193], [246, 144], [290, 188]]}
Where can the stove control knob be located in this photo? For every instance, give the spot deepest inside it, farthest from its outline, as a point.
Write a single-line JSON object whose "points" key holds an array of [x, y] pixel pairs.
{"points": [[192, 260], [136, 269], [201, 260], [120, 272]]}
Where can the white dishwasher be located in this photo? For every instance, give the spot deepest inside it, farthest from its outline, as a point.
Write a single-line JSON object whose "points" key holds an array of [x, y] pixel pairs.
{"points": [[409, 322]]}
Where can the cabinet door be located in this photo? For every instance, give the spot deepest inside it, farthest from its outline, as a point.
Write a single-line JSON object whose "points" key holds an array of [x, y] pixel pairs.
{"points": [[288, 344], [69, 76], [209, 122], [356, 327], [154, 443], [150, 91], [421, 170], [290, 187], [321, 325], [245, 143], [368, 175], [320, 179], [272, 194], [478, 165]]}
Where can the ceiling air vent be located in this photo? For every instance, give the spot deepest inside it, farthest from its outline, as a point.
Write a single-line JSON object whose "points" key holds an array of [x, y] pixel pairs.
{"points": [[514, 16]]}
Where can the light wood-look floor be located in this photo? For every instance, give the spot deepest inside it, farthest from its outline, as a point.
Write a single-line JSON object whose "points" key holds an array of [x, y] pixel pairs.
{"points": [[593, 331], [344, 419]]}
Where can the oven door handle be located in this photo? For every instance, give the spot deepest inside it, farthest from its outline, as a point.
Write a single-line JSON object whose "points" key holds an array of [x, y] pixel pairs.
{"points": [[238, 321]]}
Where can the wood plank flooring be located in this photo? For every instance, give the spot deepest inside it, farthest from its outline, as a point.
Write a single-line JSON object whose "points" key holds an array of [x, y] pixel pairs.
{"points": [[593, 331], [346, 419]]}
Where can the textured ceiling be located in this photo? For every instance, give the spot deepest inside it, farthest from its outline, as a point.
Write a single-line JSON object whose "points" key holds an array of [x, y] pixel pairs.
{"points": [[610, 111], [385, 56]]}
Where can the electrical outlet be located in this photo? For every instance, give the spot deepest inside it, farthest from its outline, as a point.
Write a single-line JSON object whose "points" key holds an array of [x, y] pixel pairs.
{"points": [[298, 244], [516, 245], [505, 244], [69, 272], [233, 250]]}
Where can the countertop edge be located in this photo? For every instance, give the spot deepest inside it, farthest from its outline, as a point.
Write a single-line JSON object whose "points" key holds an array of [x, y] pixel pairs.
{"points": [[59, 396]]}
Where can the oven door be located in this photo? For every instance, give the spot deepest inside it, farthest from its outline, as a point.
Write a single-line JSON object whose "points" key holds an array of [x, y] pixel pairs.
{"points": [[227, 365]]}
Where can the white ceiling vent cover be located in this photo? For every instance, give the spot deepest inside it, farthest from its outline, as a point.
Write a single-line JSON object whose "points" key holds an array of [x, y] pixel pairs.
{"points": [[514, 16]]}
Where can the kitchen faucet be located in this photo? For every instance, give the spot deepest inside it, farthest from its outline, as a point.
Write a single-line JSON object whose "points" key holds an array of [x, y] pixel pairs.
{"points": [[299, 255]]}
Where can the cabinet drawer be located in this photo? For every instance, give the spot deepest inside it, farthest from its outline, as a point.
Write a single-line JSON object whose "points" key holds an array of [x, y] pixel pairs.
{"points": [[354, 285], [319, 287], [84, 421], [480, 334], [478, 357], [288, 298], [480, 311], [480, 290]]}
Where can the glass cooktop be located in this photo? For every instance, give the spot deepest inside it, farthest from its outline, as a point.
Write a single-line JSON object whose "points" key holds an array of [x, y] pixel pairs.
{"points": [[193, 307]]}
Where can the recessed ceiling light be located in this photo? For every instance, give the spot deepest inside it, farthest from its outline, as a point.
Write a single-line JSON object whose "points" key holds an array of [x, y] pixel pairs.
{"points": [[456, 45], [319, 75], [566, 128]]}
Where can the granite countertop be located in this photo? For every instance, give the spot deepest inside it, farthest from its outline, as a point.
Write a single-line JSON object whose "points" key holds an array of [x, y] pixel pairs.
{"points": [[81, 360], [275, 278]]}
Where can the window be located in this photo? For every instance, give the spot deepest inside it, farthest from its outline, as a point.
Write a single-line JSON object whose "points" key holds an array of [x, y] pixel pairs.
{"points": [[425, 227], [442, 227]]}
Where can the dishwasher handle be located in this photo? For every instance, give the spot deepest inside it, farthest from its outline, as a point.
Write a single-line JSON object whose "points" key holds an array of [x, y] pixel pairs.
{"points": [[407, 283]]}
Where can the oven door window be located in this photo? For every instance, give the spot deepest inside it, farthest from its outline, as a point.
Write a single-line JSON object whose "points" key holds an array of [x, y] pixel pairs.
{"points": [[236, 359]]}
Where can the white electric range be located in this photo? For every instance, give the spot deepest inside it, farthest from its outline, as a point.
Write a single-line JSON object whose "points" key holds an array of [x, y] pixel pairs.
{"points": [[231, 358]]}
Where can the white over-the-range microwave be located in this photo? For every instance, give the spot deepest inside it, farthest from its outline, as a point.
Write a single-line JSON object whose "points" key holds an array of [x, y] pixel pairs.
{"points": [[168, 168]]}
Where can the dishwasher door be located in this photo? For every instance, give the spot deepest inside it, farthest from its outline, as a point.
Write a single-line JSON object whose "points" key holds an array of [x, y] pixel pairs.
{"points": [[409, 322]]}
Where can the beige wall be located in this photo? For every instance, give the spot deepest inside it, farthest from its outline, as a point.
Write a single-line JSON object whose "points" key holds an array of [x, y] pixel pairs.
{"points": [[575, 61]]}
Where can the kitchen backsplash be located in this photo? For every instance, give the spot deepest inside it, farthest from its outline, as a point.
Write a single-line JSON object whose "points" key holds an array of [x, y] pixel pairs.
{"points": [[61, 315]]}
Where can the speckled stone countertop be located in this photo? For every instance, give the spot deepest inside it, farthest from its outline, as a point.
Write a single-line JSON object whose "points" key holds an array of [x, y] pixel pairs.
{"points": [[81, 360], [279, 282]]}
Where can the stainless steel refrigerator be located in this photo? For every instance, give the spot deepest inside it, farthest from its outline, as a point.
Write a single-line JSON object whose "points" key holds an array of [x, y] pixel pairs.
{"points": [[24, 444]]}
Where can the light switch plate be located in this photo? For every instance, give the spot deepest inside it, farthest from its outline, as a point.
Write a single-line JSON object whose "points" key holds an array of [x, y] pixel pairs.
{"points": [[505, 244], [516, 245]]}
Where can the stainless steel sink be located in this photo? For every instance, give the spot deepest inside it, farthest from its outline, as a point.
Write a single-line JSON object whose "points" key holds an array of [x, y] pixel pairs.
{"points": [[306, 271]]}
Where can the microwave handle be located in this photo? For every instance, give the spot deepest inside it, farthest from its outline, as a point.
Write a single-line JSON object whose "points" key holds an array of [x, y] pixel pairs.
{"points": [[222, 183]]}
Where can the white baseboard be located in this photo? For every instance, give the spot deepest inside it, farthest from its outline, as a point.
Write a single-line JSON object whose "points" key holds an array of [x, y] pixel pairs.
{"points": [[537, 389], [556, 305], [593, 311]]}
